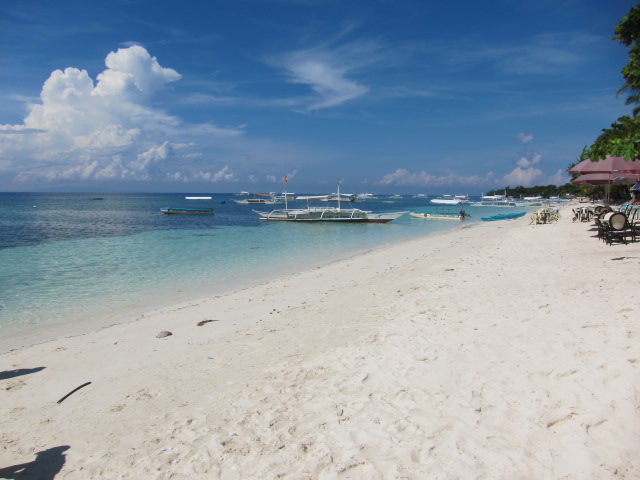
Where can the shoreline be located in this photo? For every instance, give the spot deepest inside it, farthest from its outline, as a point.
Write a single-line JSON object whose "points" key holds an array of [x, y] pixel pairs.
{"points": [[485, 351], [13, 339]]}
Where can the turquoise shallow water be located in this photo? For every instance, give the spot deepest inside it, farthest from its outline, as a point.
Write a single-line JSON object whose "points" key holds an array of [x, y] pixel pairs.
{"points": [[95, 259]]}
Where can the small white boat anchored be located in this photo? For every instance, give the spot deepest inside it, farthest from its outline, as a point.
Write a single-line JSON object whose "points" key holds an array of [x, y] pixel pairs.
{"points": [[187, 211], [365, 196], [450, 200], [495, 201], [439, 215], [284, 196], [339, 197], [260, 199]]}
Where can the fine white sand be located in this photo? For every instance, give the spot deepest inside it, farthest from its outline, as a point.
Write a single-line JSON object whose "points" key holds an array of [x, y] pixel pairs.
{"points": [[498, 350]]}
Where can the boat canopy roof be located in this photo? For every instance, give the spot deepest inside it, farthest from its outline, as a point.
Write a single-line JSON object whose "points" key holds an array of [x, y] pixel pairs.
{"points": [[493, 197], [314, 197]]}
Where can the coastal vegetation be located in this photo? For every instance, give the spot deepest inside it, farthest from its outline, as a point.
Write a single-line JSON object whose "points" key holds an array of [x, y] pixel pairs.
{"points": [[544, 191], [623, 138], [617, 192]]}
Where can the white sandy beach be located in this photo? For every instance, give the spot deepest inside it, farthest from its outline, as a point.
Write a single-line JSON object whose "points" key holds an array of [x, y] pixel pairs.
{"points": [[500, 350]]}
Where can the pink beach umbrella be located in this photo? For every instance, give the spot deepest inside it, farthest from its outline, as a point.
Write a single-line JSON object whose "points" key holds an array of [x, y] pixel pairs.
{"points": [[577, 168], [608, 165], [606, 178]]}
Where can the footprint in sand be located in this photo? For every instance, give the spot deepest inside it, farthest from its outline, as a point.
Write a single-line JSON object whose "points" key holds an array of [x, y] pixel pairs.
{"points": [[15, 385]]}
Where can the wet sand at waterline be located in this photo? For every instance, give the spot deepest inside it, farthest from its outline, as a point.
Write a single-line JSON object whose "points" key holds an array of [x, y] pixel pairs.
{"points": [[494, 350]]}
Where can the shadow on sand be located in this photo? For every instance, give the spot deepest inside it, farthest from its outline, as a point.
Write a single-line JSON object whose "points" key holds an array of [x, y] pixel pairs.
{"points": [[46, 466], [19, 372]]}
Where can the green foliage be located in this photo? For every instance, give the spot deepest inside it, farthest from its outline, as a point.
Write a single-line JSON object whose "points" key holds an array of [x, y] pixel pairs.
{"points": [[545, 191], [616, 192], [623, 138], [628, 32]]}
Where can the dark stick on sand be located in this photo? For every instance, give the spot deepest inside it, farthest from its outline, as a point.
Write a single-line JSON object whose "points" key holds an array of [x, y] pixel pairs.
{"points": [[73, 391]]}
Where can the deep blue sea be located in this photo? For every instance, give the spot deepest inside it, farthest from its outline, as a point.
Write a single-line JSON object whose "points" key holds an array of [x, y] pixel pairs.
{"points": [[93, 259]]}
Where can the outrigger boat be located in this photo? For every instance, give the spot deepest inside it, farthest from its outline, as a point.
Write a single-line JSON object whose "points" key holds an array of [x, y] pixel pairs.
{"points": [[503, 216], [442, 212], [187, 211], [259, 199], [326, 214], [439, 215], [450, 200]]}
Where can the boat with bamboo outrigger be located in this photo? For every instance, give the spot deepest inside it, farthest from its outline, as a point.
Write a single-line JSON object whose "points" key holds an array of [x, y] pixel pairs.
{"points": [[187, 211], [259, 199], [325, 213], [441, 212]]}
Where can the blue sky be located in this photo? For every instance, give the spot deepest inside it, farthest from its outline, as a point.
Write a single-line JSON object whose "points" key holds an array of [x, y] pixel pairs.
{"points": [[389, 96]]}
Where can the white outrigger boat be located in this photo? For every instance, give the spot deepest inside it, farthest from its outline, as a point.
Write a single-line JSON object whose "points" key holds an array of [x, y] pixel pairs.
{"points": [[441, 212], [450, 200], [326, 214], [439, 215], [259, 199], [505, 201]]}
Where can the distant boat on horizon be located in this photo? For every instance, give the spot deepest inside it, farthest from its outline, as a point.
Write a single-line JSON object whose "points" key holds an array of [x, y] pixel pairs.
{"points": [[451, 200], [187, 211]]}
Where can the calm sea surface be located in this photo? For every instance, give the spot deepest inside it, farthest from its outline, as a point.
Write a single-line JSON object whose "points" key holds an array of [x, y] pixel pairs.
{"points": [[86, 260]]}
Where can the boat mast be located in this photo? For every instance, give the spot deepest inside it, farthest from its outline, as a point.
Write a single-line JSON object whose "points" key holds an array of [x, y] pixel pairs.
{"points": [[286, 205], [338, 194]]}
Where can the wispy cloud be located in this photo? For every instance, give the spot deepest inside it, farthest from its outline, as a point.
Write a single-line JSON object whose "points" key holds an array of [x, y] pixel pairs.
{"points": [[539, 55], [325, 77], [548, 53], [332, 68], [19, 130], [524, 137]]}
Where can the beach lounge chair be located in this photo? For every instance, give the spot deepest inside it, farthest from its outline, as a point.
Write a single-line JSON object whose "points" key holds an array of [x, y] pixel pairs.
{"points": [[582, 214], [633, 217], [616, 228]]}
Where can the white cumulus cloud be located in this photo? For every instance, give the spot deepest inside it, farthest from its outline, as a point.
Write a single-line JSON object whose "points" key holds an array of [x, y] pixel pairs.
{"points": [[530, 159], [105, 130], [559, 178], [526, 177], [133, 70]]}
